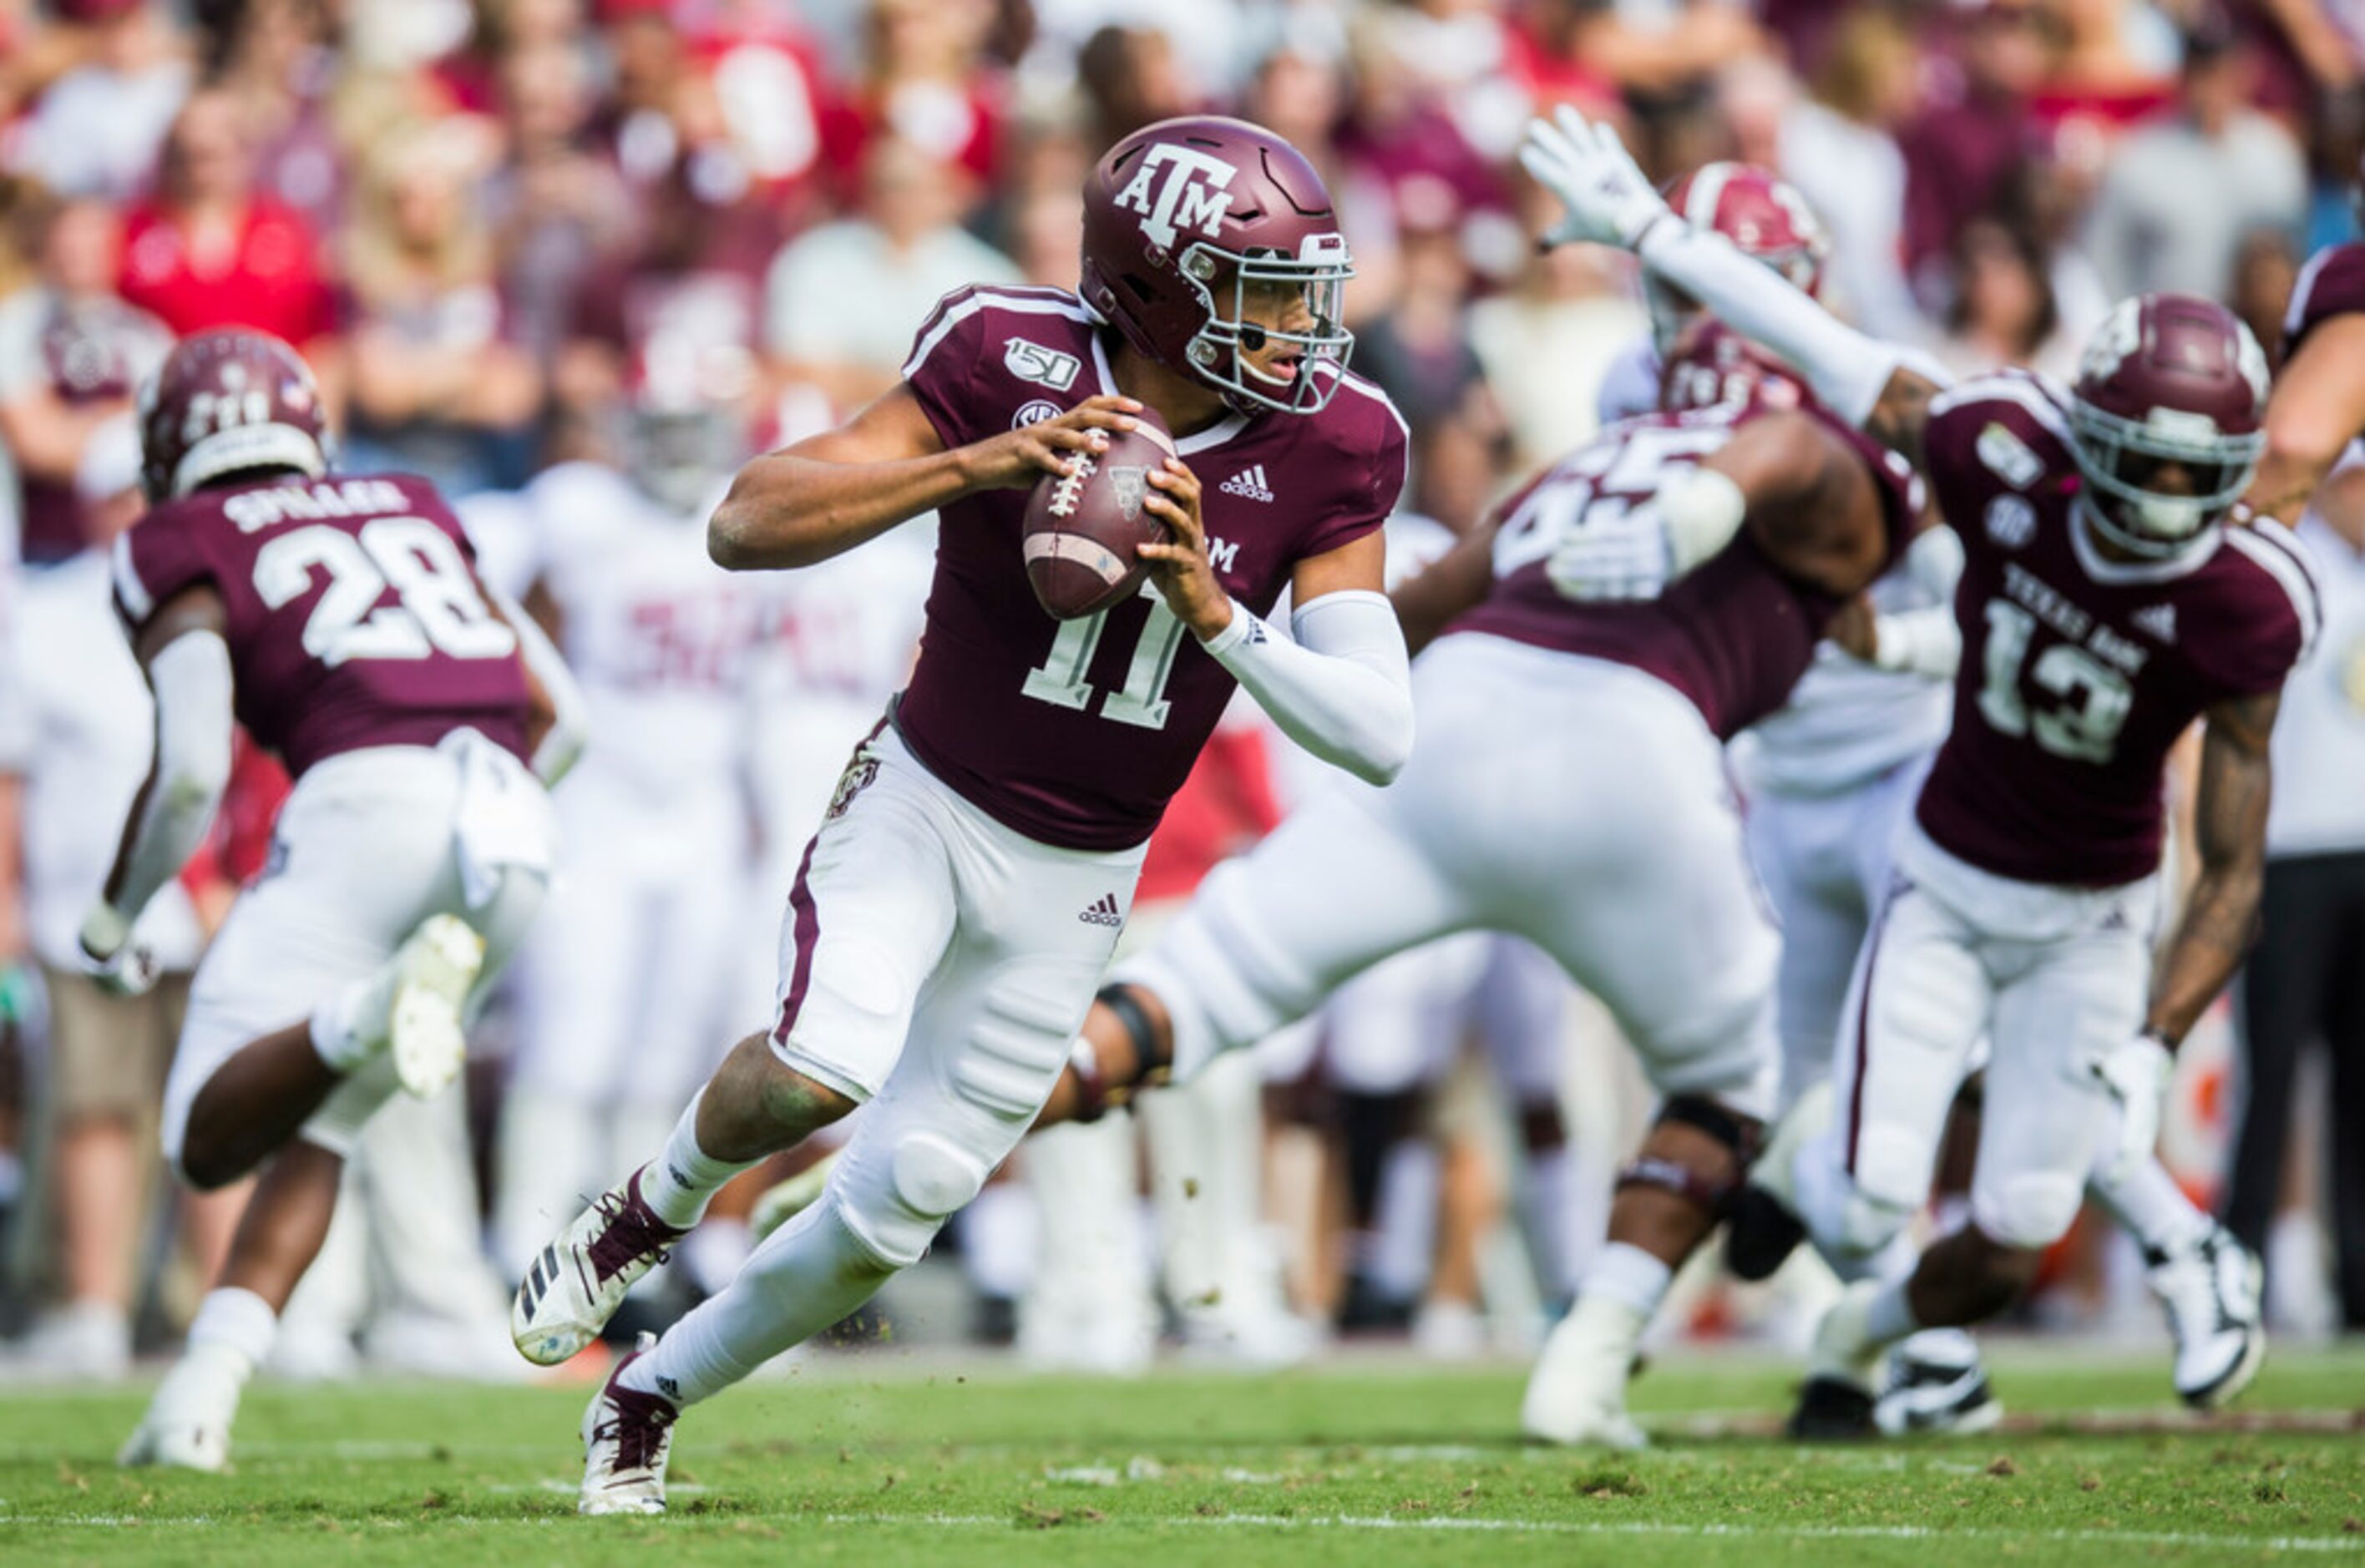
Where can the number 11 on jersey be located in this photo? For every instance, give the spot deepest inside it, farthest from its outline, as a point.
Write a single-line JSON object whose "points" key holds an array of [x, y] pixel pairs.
{"points": [[1141, 702]]}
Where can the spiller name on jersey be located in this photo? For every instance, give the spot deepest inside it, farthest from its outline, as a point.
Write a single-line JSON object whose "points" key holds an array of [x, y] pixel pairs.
{"points": [[352, 611]]}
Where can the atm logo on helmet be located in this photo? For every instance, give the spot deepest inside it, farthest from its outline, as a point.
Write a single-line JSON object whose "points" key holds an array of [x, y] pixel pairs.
{"points": [[1177, 188]]}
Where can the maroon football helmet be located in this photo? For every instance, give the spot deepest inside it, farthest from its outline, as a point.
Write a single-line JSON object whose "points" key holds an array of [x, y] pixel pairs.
{"points": [[1183, 217], [1762, 214], [225, 402], [2166, 379]]}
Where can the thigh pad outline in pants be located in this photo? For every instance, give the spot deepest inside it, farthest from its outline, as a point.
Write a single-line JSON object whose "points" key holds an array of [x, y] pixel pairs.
{"points": [[363, 852], [2045, 1112], [869, 921], [1336, 889], [988, 1043], [1917, 1005]]}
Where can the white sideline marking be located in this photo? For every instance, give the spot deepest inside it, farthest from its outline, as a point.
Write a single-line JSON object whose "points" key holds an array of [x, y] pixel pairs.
{"points": [[1362, 1522]]}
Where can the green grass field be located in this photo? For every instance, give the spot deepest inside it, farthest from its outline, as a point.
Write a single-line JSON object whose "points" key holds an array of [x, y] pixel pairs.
{"points": [[889, 1459]]}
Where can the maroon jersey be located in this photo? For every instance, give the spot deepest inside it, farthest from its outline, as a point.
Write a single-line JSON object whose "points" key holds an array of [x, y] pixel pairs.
{"points": [[1711, 363], [2078, 671], [1076, 733], [354, 617], [2332, 283], [1733, 636]]}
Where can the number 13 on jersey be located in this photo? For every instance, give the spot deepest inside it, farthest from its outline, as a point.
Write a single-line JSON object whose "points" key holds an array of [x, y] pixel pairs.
{"points": [[1141, 701]]}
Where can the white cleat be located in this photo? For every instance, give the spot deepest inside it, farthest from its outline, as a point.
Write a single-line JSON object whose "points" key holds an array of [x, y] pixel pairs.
{"points": [[188, 1422], [626, 1438], [1936, 1385], [433, 973], [783, 1201], [2213, 1292], [578, 1282], [1576, 1396]]}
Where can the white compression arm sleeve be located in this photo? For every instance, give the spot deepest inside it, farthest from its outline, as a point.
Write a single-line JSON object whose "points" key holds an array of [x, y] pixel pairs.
{"points": [[1847, 370], [192, 681], [1343, 690]]}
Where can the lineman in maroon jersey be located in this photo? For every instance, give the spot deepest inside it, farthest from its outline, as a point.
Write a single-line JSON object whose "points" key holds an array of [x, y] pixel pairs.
{"points": [[2106, 605], [955, 912], [340, 618], [2318, 406], [1570, 789]]}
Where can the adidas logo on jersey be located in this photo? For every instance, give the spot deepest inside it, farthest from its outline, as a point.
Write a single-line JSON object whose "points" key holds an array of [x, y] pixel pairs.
{"points": [[2156, 620], [1103, 911], [1248, 484]]}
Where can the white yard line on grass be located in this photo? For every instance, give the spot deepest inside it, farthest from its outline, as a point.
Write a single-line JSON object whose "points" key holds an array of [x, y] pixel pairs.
{"points": [[1355, 1522]]}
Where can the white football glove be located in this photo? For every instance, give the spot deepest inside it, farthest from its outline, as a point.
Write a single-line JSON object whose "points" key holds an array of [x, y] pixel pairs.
{"points": [[121, 965], [2135, 1075], [1609, 200], [1608, 560]]}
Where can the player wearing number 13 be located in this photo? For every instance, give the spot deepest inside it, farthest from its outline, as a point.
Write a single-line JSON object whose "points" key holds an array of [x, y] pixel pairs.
{"points": [[339, 619], [2107, 601], [954, 913]]}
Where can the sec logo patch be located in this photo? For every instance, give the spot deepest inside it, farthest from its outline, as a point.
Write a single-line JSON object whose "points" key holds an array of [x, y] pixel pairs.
{"points": [[2010, 520], [1034, 412]]}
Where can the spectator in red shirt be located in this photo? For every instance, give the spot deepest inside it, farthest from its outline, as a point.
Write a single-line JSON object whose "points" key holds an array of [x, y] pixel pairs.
{"points": [[209, 252]]}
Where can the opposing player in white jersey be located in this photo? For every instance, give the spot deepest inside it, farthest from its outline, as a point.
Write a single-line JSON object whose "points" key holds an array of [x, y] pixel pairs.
{"points": [[632, 968], [2109, 605], [953, 915]]}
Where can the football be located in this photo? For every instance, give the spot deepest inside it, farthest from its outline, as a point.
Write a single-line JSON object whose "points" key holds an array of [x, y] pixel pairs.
{"points": [[1082, 529]]}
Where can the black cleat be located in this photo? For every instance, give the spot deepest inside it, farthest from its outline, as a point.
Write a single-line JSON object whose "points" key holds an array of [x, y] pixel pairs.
{"points": [[1830, 1411], [1760, 1235]]}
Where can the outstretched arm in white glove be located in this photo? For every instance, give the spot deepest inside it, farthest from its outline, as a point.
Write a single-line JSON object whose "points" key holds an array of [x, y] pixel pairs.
{"points": [[1879, 386]]}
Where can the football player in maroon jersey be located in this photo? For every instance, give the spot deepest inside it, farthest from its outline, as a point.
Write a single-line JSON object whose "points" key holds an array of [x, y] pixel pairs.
{"points": [[2106, 605], [338, 619], [2318, 406], [953, 915]]}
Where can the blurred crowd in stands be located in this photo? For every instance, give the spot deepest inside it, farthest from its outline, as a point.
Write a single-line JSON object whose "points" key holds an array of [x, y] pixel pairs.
{"points": [[503, 231]]}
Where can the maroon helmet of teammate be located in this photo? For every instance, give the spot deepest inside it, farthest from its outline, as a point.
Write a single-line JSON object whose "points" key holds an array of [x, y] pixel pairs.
{"points": [[1182, 220], [1762, 214], [229, 401], [2169, 384]]}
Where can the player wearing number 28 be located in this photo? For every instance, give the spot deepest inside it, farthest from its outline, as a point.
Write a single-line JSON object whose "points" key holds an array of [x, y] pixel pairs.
{"points": [[2108, 600], [340, 619], [952, 916]]}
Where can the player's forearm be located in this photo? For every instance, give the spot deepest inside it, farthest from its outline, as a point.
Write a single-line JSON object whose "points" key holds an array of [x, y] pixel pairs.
{"points": [[1851, 373], [1452, 585], [786, 511], [175, 807], [2220, 920], [1343, 690]]}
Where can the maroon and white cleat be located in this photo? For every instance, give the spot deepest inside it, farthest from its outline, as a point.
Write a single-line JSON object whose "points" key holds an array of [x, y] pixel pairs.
{"points": [[578, 1282], [626, 1437]]}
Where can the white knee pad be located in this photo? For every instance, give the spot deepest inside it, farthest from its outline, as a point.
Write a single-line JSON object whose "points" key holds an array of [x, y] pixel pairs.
{"points": [[1849, 1222], [894, 1205], [2029, 1209], [1218, 976]]}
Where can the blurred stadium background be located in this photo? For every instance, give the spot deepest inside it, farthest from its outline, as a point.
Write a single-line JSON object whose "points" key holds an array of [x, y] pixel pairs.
{"points": [[653, 236]]}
